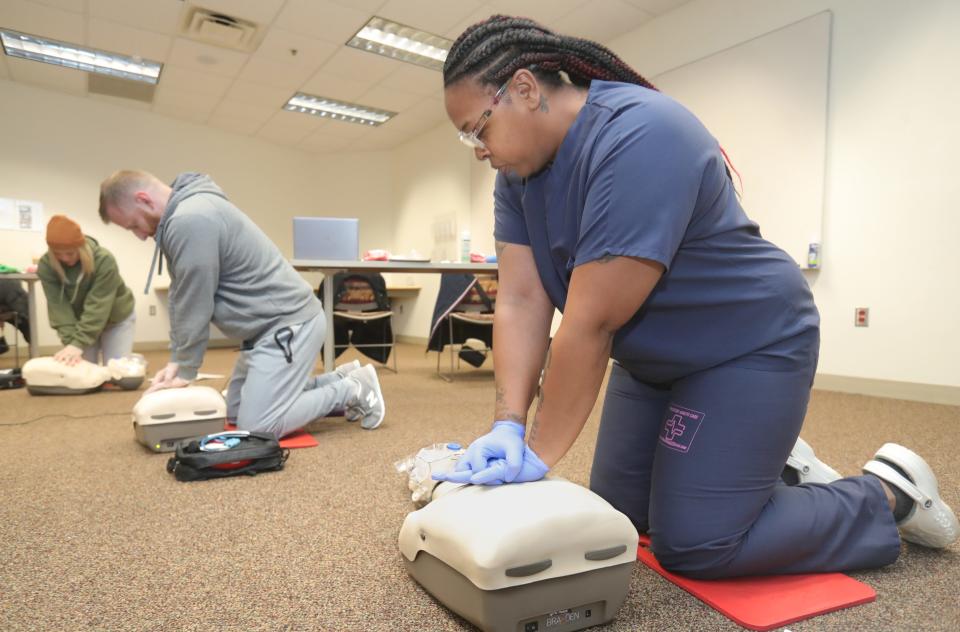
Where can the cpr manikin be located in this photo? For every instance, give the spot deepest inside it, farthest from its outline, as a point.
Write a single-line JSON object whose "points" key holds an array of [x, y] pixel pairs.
{"points": [[547, 555], [46, 376]]}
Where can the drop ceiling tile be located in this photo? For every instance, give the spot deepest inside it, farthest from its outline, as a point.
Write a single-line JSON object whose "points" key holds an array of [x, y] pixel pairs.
{"points": [[288, 128], [118, 38], [127, 103], [48, 76], [323, 144], [539, 10], [390, 99], [206, 58], [334, 87], [189, 113], [258, 11], [74, 6], [478, 15], [255, 94], [427, 109], [323, 20], [236, 125], [412, 126], [359, 65], [417, 79], [275, 74], [342, 129], [602, 20], [369, 6], [38, 19], [186, 100], [187, 80], [433, 16], [259, 114], [279, 43], [160, 16], [4, 73], [657, 7]]}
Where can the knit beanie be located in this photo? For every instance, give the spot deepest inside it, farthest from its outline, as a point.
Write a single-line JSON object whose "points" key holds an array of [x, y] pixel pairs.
{"points": [[63, 232]]}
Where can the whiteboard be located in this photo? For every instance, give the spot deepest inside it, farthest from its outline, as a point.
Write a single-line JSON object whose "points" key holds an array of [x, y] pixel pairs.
{"points": [[765, 101]]}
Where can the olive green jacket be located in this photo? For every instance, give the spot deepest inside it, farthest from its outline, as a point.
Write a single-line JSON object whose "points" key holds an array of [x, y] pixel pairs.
{"points": [[82, 307]]}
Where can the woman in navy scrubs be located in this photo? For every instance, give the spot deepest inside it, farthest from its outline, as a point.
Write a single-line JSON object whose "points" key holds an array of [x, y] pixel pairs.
{"points": [[614, 204]]}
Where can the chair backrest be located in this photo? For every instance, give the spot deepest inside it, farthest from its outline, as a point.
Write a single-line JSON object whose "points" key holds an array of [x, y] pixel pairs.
{"points": [[482, 297], [354, 292]]}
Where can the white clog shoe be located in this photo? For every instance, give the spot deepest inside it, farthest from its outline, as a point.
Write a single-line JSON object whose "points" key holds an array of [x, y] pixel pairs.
{"points": [[930, 522], [808, 468]]}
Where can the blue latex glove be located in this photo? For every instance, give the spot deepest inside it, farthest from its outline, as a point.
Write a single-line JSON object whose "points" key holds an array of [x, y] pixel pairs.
{"points": [[504, 442], [533, 469]]}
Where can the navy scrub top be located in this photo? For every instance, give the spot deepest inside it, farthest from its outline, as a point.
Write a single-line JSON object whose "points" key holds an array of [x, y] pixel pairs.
{"points": [[638, 175]]}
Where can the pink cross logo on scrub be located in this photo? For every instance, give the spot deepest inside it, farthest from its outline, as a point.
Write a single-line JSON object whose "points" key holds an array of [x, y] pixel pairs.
{"points": [[674, 427], [680, 426]]}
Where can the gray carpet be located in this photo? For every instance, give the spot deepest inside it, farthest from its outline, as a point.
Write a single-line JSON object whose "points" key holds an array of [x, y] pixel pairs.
{"points": [[95, 535]]}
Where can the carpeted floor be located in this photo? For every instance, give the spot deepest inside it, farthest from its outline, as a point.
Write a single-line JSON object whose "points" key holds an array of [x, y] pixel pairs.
{"points": [[95, 535]]}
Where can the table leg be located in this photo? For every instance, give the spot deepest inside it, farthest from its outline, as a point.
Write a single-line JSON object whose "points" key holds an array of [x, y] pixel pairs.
{"points": [[328, 351], [34, 325]]}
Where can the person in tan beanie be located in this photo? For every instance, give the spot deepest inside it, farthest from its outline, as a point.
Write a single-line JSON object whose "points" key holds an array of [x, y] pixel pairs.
{"points": [[88, 303]]}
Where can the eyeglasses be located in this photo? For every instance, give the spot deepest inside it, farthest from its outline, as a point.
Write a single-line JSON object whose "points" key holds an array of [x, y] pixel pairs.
{"points": [[472, 139]]}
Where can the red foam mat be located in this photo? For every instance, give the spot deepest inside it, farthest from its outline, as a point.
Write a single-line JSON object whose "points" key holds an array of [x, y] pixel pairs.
{"points": [[769, 602], [298, 439]]}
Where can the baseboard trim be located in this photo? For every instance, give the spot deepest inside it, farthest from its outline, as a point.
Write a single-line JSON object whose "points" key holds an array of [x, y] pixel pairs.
{"points": [[914, 391]]}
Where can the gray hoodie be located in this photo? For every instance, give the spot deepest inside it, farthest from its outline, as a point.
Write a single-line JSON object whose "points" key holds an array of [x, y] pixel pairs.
{"points": [[223, 269]]}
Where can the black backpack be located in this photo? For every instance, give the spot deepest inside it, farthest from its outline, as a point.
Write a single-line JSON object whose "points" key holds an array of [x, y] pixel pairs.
{"points": [[253, 452]]}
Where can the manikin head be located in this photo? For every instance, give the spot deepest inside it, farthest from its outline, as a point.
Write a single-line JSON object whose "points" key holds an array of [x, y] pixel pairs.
{"points": [[134, 200]]}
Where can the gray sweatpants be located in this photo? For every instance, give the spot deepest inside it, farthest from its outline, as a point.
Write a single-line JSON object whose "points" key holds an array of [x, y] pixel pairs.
{"points": [[115, 341], [266, 391]]}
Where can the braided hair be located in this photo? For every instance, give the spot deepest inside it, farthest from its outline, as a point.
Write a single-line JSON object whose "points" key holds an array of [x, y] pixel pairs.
{"points": [[496, 48]]}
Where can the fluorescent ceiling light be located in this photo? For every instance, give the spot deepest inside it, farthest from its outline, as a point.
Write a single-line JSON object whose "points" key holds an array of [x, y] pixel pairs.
{"points": [[337, 110], [401, 42], [50, 51]]}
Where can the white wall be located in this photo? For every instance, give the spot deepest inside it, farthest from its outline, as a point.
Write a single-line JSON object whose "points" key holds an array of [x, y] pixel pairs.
{"points": [[431, 184], [57, 148], [890, 219]]}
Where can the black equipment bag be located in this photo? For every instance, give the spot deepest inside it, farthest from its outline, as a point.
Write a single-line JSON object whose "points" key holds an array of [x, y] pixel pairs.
{"points": [[255, 452]]}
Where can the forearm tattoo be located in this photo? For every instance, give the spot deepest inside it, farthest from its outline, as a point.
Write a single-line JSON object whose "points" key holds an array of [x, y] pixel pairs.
{"points": [[502, 411], [532, 434]]}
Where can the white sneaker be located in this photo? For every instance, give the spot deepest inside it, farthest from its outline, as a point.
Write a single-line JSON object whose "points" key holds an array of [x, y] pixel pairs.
{"points": [[370, 404], [347, 368], [808, 468], [930, 522]]}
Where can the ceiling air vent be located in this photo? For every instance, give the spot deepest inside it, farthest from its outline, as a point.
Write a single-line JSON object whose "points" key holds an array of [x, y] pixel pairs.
{"points": [[218, 29]]}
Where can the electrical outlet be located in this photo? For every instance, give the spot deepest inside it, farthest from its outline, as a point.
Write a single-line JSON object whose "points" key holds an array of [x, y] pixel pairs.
{"points": [[861, 317], [153, 310]]}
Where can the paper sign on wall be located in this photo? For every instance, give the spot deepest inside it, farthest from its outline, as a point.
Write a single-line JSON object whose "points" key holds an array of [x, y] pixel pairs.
{"points": [[21, 215]]}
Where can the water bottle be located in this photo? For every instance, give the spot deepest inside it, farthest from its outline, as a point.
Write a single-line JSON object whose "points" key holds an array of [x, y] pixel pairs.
{"points": [[465, 246]]}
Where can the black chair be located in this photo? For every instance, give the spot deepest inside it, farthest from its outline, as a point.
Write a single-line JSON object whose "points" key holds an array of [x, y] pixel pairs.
{"points": [[463, 320], [362, 317]]}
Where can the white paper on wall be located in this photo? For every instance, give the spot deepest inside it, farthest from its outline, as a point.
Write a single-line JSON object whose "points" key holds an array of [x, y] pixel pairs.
{"points": [[21, 215]]}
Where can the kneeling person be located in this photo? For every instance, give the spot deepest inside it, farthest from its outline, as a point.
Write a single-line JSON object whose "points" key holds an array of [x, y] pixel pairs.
{"points": [[224, 270]]}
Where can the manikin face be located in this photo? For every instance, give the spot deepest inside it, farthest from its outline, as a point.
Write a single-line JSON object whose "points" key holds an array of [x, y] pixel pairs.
{"points": [[138, 216], [508, 136], [66, 256]]}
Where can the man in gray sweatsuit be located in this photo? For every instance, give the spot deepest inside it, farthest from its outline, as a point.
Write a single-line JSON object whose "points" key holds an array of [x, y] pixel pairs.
{"points": [[224, 270]]}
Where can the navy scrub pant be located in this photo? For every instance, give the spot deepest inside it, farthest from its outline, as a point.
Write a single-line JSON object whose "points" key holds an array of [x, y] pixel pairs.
{"points": [[697, 465]]}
